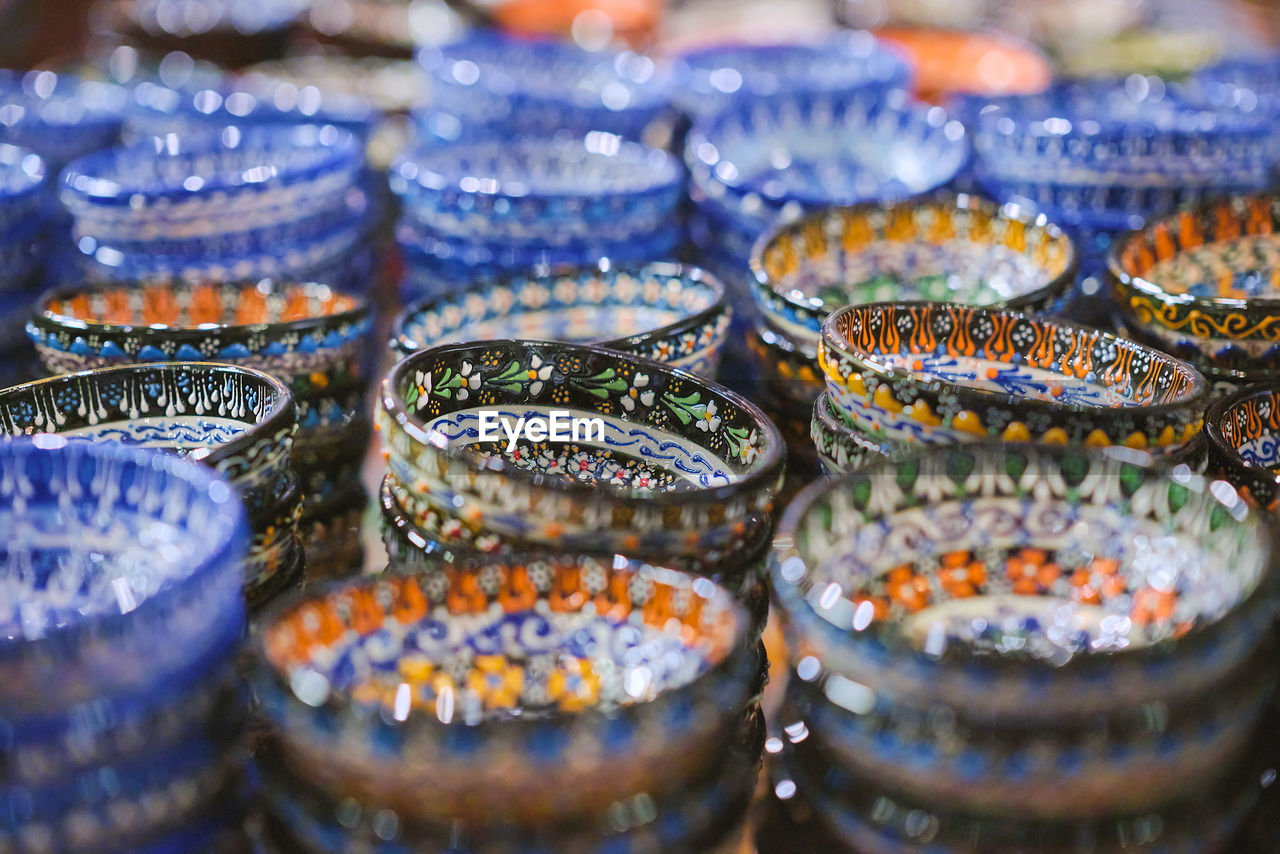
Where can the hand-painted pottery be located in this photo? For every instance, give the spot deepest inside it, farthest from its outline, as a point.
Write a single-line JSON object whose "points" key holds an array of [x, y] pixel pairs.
{"points": [[22, 190], [545, 190], [672, 464], [789, 371], [1201, 284], [952, 249], [559, 686], [122, 575], [662, 311], [947, 62], [522, 87], [205, 184], [1243, 435], [275, 545], [708, 80], [307, 333], [1026, 585], [783, 154], [60, 117], [840, 447], [942, 372], [291, 572]]}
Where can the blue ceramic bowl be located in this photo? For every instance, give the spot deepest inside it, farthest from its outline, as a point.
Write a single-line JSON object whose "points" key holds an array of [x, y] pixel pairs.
{"points": [[60, 117], [23, 192], [548, 190], [205, 184], [767, 156], [707, 81], [525, 86], [1248, 83], [122, 573]]}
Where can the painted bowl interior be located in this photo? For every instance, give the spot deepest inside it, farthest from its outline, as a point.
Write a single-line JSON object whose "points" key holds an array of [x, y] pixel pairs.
{"points": [[930, 251], [1010, 355], [1249, 425], [569, 635], [1023, 574], [579, 308]]}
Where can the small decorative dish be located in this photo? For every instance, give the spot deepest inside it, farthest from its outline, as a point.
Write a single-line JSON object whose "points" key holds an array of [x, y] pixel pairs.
{"points": [[206, 184], [664, 463], [840, 447], [1201, 284], [59, 116], [708, 80], [1243, 434], [543, 190], [942, 372], [767, 156], [522, 87], [945, 63], [952, 249], [369, 700], [662, 311]]}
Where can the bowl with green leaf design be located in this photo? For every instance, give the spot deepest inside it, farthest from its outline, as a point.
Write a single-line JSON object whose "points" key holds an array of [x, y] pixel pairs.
{"points": [[611, 452], [950, 248]]}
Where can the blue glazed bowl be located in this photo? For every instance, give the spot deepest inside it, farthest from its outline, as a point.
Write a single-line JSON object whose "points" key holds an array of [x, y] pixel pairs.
{"points": [[707, 81], [23, 191], [767, 156], [547, 190], [1248, 83], [123, 570], [60, 117], [662, 311], [206, 184], [525, 86]]}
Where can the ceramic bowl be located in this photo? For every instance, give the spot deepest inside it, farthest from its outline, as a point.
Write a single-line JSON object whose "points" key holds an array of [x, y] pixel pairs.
{"points": [[526, 86], [953, 249], [547, 190], [947, 62], [675, 465], [941, 372], [59, 116], [708, 80], [132, 589], [840, 447], [784, 154], [1246, 81], [509, 703], [307, 333], [237, 421], [22, 189], [662, 311], [205, 184], [789, 371], [1243, 434], [1199, 284]]}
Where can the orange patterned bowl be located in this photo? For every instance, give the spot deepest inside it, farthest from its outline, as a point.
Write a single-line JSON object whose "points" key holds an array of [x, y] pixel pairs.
{"points": [[950, 62]]}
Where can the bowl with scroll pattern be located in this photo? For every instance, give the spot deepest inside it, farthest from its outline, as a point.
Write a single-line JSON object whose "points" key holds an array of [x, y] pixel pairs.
{"points": [[941, 372]]}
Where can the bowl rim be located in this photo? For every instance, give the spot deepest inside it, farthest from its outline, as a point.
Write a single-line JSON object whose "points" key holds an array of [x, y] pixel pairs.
{"points": [[955, 201], [1226, 454], [1197, 390], [763, 474]]}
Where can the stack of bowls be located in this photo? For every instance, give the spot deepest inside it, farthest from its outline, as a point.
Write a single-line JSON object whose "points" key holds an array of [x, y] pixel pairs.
{"points": [[1242, 431], [519, 87], [560, 704], [499, 205], [310, 336], [121, 614], [920, 372], [670, 468], [235, 203], [953, 248], [1201, 284], [977, 631], [1103, 156], [661, 311], [238, 421], [59, 116], [24, 204]]}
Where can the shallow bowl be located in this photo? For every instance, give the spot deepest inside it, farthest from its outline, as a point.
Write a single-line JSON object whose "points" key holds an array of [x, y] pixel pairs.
{"points": [[1243, 435]]}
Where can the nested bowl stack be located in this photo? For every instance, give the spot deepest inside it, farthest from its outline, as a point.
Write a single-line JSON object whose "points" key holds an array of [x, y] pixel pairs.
{"points": [[59, 116], [674, 469], [24, 213], [556, 703], [942, 372], [122, 610], [494, 205], [1242, 431], [841, 447], [976, 630], [227, 203], [237, 421], [662, 311], [309, 335], [1200, 284]]}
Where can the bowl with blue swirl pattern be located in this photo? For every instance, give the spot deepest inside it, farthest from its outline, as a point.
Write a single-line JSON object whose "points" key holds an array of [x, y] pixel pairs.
{"points": [[662, 311], [1243, 434], [944, 372]]}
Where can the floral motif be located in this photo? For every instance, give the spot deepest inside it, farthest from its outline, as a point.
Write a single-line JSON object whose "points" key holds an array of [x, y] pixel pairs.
{"points": [[497, 681], [639, 391]]}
